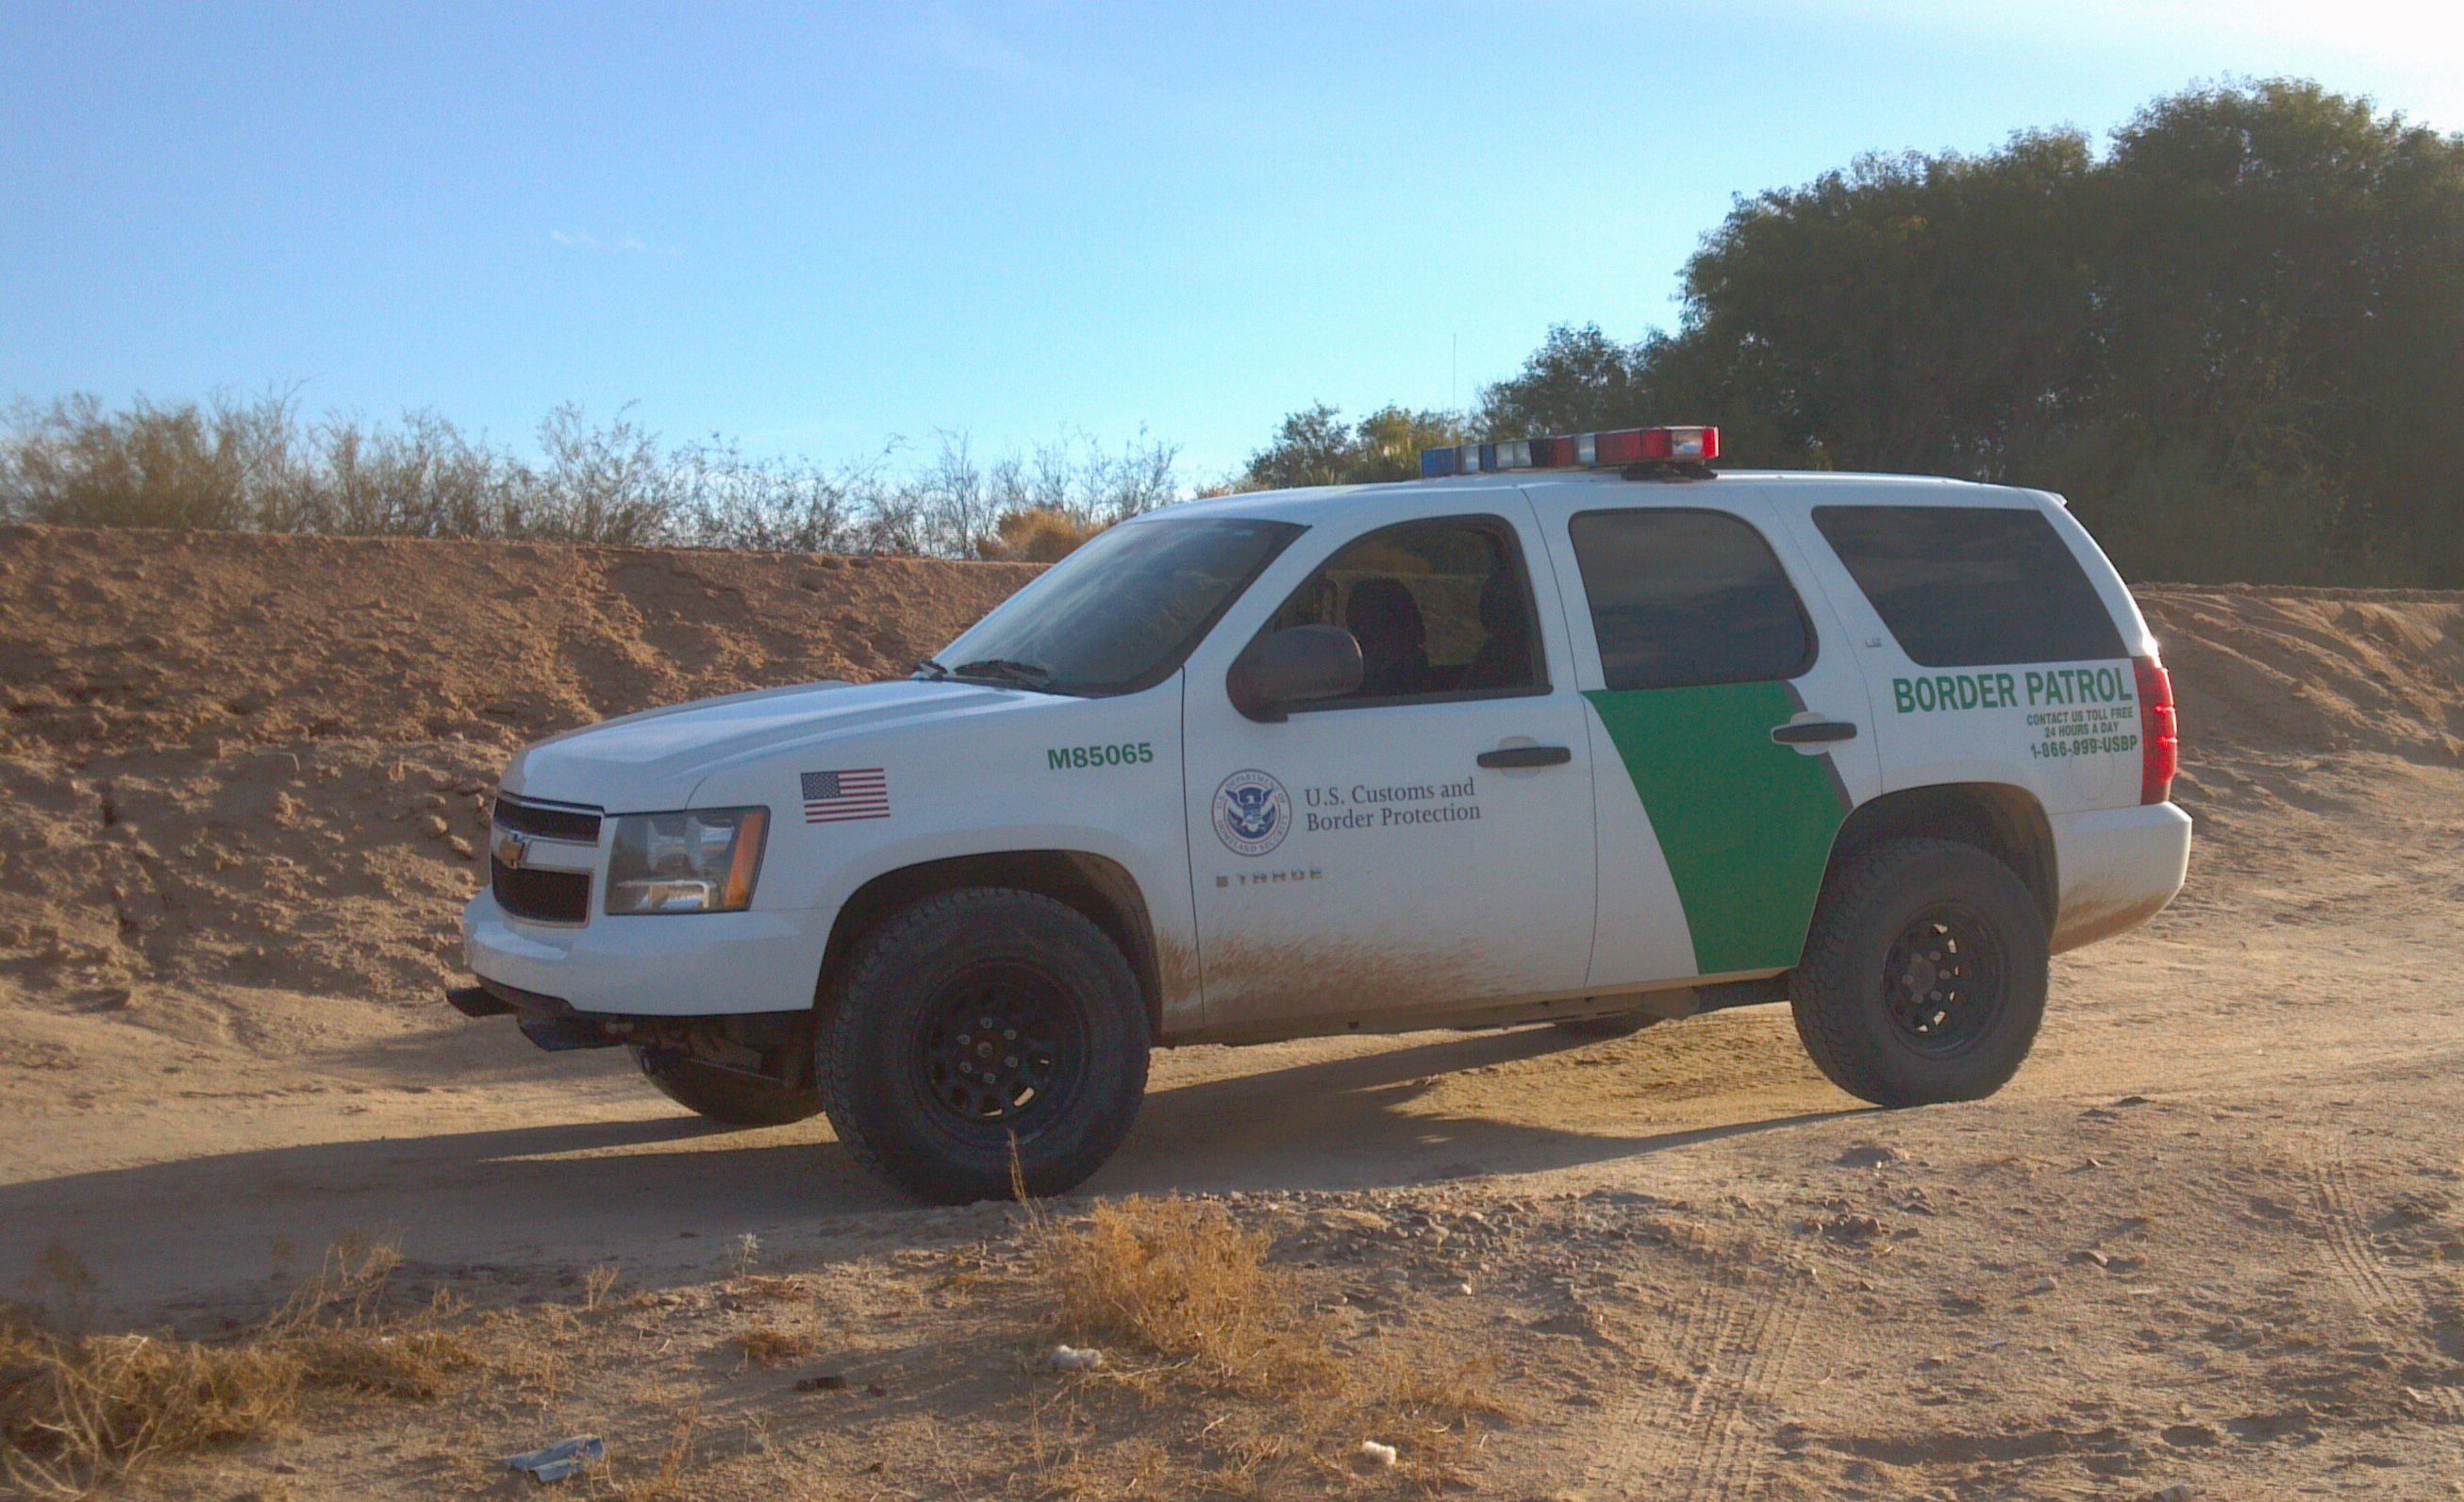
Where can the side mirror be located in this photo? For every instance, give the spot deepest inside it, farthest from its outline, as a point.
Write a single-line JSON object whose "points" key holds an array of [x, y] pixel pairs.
{"points": [[1293, 667]]}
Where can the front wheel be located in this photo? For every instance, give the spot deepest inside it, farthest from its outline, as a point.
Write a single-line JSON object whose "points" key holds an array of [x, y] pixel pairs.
{"points": [[983, 1034], [1924, 979]]}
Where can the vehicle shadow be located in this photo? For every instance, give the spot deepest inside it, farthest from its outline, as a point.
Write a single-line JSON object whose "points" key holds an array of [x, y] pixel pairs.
{"points": [[1350, 1123], [665, 1191]]}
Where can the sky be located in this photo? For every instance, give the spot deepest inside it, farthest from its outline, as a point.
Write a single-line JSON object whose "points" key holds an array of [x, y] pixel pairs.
{"points": [[816, 229]]}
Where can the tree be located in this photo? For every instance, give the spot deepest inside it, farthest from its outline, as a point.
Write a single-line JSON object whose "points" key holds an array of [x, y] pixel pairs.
{"points": [[1908, 313], [2231, 338], [1316, 447], [1580, 380]]}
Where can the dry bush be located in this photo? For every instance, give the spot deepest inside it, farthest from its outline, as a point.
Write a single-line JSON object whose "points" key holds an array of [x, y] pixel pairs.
{"points": [[74, 1412], [768, 1345], [776, 1290], [1183, 1281], [1179, 1278], [597, 1284], [1039, 534], [256, 464], [337, 1327]]}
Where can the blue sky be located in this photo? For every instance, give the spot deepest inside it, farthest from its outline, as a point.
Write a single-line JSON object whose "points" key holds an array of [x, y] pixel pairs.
{"points": [[815, 227]]}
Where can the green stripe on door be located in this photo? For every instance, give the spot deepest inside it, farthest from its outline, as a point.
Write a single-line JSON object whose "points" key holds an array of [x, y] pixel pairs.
{"points": [[1745, 824]]}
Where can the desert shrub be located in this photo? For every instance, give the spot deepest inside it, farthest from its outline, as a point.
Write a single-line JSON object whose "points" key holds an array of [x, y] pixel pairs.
{"points": [[1038, 535], [79, 1410], [1183, 1280], [768, 1345], [256, 464]]}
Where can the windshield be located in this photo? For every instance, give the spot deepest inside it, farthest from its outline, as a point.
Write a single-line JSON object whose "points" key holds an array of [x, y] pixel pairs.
{"points": [[1121, 614]]}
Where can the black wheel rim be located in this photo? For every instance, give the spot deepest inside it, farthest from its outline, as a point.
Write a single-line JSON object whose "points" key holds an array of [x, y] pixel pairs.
{"points": [[1001, 1052], [1943, 981]]}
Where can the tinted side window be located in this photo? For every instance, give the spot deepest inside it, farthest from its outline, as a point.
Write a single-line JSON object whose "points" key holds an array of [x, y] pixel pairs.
{"points": [[1963, 585], [1441, 609], [1684, 598]]}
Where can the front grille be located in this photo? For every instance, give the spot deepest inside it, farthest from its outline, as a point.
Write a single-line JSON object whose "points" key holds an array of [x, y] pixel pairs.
{"points": [[578, 824], [544, 896]]}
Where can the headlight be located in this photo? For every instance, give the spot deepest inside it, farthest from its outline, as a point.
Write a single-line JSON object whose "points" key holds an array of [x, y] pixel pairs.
{"points": [[703, 860]]}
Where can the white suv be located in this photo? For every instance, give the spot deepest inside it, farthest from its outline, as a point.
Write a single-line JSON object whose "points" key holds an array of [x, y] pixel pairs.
{"points": [[1574, 731]]}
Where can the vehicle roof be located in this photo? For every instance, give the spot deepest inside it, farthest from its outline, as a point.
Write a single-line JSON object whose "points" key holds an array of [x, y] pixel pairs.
{"points": [[1805, 487]]}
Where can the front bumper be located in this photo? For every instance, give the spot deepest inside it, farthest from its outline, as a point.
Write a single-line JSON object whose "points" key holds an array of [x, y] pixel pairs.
{"points": [[703, 964]]}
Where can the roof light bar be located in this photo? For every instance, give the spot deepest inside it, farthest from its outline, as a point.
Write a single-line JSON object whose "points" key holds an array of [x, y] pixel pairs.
{"points": [[1577, 450]]}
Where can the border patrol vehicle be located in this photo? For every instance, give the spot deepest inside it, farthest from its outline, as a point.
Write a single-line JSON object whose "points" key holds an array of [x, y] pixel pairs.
{"points": [[1572, 730]]}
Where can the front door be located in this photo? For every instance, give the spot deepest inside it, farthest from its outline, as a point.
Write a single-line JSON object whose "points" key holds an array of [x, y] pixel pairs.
{"points": [[1423, 843]]}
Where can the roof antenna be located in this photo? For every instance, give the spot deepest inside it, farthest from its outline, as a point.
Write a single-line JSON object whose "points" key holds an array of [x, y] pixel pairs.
{"points": [[1454, 363]]}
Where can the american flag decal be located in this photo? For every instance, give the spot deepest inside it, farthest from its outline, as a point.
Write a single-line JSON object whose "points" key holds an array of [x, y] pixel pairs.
{"points": [[856, 792]]}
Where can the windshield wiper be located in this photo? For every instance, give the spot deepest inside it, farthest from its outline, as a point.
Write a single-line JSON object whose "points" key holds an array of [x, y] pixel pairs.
{"points": [[1006, 669], [931, 666]]}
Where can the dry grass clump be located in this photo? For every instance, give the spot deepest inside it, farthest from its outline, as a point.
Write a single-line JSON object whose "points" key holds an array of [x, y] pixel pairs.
{"points": [[776, 1290], [1039, 534], [74, 1412], [768, 1345], [1182, 1279], [1231, 1336]]}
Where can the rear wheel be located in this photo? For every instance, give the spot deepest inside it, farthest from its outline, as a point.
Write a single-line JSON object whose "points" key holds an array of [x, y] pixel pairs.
{"points": [[723, 1096], [980, 1024], [1924, 979]]}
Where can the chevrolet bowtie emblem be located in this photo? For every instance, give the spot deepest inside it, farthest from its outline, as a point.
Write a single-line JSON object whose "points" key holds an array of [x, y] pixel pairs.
{"points": [[513, 851]]}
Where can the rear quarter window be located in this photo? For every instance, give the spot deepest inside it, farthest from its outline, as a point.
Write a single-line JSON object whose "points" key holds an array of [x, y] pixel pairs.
{"points": [[1960, 587]]}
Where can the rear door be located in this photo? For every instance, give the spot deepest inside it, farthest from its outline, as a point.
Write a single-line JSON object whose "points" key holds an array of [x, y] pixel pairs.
{"points": [[1730, 727]]}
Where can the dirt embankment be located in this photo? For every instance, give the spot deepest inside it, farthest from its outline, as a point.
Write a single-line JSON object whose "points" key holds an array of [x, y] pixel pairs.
{"points": [[261, 762], [2305, 672]]}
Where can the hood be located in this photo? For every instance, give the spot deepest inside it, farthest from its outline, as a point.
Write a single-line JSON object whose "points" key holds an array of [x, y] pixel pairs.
{"points": [[654, 759]]}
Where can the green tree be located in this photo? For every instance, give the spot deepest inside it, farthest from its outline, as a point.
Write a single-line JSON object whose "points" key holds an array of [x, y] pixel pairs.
{"points": [[1580, 380], [2232, 339], [1316, 447], [1908, 313], [2282, 294]]}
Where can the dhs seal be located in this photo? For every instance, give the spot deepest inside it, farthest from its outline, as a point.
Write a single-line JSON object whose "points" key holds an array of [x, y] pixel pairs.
{"points": [[1252, 813]]}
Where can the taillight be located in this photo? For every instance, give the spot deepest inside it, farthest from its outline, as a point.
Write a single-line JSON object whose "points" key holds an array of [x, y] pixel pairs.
{"points": [[2159, 732]]}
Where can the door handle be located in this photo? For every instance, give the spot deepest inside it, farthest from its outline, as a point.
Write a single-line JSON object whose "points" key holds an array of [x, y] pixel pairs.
{"points": [[1526, 756], [1813, 733]]}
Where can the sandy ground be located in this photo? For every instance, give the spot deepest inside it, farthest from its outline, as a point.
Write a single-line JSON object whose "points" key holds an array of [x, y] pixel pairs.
{"points": [[2214, 1234]]}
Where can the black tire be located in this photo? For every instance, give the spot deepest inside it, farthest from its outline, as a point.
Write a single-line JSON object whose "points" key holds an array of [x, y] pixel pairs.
{"points": [[729, 1098], [924, 1097], [1924, 979], [1622, 1025]]}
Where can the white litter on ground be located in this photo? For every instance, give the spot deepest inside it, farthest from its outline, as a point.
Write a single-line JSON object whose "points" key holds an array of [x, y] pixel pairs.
{"points": [[559, 1460]]}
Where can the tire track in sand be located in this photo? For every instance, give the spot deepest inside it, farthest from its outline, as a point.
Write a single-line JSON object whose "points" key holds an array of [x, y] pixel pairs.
{"points": [[2357, 1265], [1695, 1436]]}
